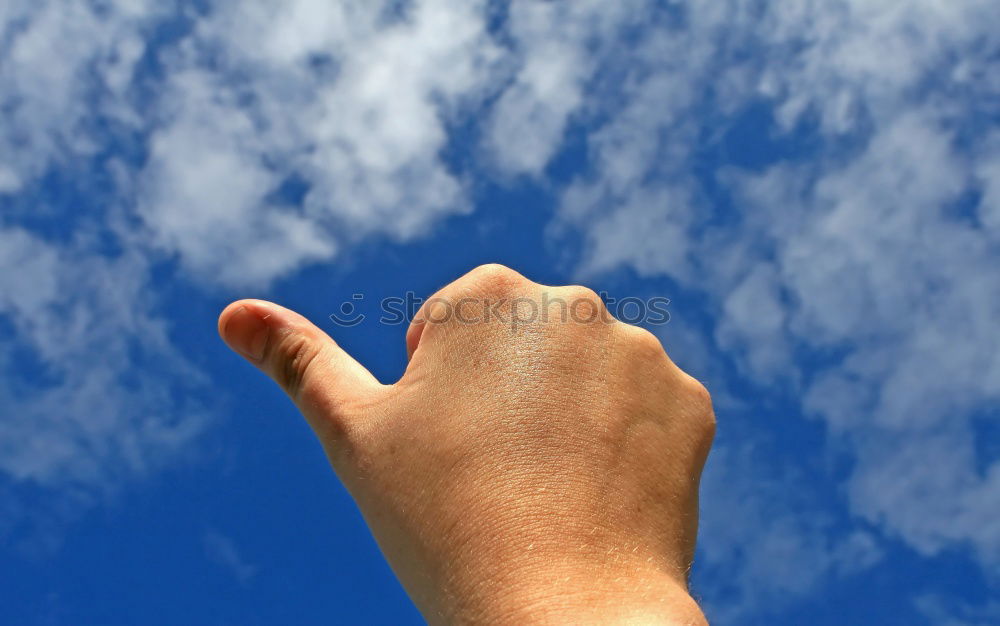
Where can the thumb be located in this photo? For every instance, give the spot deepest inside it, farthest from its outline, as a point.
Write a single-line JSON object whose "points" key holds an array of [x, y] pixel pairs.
{"points": [[326, 383]]}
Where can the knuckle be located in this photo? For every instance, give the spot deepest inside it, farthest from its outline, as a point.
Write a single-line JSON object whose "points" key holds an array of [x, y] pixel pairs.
{"points": [[645, 347], [293, 355], [581, 293], [494, 278], [700, 399], [707, 427], [697, 393], [645, 343], [584, 304]]}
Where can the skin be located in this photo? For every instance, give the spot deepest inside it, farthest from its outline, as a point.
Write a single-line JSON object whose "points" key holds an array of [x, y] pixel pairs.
{"points": [[523, 470]]}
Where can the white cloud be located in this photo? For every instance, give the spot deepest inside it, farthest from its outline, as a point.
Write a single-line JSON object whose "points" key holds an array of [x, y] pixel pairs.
{"points": [[203, 194], [223, 551], [89, 413], [988, 173], [89, 382], [785, 545], [529, 119], [351, 103], [349, 99], [942, 610], [64, 66], [882, 271], [753, 322]]}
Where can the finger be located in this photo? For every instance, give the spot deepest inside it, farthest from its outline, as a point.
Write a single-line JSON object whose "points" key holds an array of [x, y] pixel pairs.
{"points": [[326, 383]]}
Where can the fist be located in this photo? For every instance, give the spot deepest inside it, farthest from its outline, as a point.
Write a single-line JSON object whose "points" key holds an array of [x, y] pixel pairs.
{"points": [[537, 462]]}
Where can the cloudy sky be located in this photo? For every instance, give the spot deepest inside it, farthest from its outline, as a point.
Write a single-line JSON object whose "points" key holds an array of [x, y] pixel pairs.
{"points": [[815, 185]]}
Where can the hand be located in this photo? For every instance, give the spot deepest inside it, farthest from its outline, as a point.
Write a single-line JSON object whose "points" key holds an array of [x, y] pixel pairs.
{"points": [[522, 470]]}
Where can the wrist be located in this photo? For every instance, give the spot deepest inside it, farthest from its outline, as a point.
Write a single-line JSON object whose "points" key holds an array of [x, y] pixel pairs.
{"points": [[640, 602], [548, 594]]}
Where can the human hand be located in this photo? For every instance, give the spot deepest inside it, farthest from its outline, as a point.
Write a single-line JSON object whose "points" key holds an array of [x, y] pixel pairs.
{"points": [[537, 472]]}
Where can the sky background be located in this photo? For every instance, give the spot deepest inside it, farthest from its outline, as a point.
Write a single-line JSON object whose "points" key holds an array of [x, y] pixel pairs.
{"points": [[815, 185]]}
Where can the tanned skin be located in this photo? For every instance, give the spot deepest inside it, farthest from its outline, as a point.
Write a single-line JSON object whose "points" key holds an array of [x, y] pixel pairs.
{"points": [[526, 469]]}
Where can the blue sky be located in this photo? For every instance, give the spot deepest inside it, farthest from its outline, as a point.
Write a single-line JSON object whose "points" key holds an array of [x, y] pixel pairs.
{"points": [[815, 185]]}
